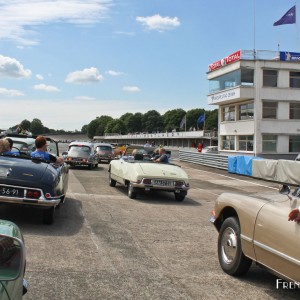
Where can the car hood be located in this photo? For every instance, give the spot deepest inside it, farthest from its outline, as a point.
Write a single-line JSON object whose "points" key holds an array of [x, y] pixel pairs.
{"points": [[21, 170], [160, 170]]}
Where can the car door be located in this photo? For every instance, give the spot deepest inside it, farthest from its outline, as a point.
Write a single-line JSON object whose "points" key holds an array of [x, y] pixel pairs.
{"points": [[277, 240]]}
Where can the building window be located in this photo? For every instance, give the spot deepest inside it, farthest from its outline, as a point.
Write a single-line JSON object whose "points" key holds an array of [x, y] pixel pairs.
{"points": [[294, 143], [295, 79], [247, 77], [244, 77], [246, 111], [228, 142], [269, 143], [270, 78], [246, 142], [294, 111], [228, 113], [269, 110]]}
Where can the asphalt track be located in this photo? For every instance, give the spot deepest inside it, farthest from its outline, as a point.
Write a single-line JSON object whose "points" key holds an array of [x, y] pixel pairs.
{"points": [[104, 245]]}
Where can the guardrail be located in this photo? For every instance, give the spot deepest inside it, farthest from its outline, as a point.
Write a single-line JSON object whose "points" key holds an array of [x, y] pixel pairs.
{"points": [[210, 160]]}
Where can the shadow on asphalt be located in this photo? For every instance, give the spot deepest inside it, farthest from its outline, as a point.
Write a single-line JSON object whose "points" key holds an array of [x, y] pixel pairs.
{"points": [[158, 197], [68, 218], [261, 278]]}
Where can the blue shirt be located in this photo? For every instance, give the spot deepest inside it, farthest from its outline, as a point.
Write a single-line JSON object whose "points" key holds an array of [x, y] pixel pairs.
{"points": [[42, 155]]}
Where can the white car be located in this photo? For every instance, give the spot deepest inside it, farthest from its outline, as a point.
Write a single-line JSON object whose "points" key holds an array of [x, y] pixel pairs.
{"points": [[210, 149], [141, 173]]}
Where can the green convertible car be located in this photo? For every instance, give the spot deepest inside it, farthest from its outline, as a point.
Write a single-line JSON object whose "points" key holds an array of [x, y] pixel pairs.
{"points": [[12, 262]]}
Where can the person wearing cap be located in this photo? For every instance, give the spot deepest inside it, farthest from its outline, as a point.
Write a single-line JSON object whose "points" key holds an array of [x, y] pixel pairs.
{"points": [[294, 215], [41, 151]]}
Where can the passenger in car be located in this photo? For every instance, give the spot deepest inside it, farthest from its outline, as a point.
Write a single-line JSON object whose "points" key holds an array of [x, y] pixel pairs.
{"points": [[10, 151], [41, 151], [4, 146], [163, 157], [294, 215]]}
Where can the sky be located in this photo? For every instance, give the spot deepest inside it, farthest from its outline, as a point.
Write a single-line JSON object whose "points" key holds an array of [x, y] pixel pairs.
{"points": [[68, 62]]}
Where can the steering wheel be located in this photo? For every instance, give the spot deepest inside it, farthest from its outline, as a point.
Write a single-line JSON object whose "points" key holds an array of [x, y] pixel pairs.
{"points": [[13, 147]]}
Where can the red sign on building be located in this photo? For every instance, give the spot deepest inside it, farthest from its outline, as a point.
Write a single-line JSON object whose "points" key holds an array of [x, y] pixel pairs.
{"points": [[225, 61]]}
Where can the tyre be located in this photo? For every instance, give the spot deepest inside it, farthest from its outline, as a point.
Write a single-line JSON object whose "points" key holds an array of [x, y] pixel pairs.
{"points": [[179, 196], [131, 191], [48, 215], [112, 182], [231, 257]]}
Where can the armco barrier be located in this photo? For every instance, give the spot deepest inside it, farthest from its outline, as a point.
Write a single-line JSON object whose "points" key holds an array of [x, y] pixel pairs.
{"points": [[210, 160]]}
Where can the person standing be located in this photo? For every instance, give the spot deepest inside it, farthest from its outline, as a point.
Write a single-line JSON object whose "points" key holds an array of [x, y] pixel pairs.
{"points": [[200, 146]]}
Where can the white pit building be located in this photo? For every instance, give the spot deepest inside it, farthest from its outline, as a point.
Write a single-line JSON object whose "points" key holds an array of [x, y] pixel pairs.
{"points": [[258, 95]]}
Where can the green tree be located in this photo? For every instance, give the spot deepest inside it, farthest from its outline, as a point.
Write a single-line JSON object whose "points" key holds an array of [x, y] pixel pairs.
{"points": [[152, 121], [134, 123], [84, 129], [25, 124], [173, 118], [97, 126], [36, 126]]}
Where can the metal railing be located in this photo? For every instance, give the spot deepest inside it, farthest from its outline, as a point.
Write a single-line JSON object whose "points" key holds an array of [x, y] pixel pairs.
{"points": [[206, 159]]}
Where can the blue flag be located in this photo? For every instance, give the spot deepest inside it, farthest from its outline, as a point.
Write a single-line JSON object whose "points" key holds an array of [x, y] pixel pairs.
{"points": [[201, 119], [183, 121], [288, 18]]}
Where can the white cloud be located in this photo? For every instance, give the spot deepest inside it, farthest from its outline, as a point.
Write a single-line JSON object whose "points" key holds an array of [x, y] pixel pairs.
{"points": [[159, 23], [114, 73], [84, 98], [90, 75], [11, 93], [18, 16], [11, 68], [46, 88], [131, 89], [39, 77]]}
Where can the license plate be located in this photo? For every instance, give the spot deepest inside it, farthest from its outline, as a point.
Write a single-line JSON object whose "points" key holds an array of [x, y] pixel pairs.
{"points": [[11, 192], [163, 182]]}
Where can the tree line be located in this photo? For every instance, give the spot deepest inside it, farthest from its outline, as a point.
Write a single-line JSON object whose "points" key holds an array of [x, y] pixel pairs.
{"points": [[151, 121]]}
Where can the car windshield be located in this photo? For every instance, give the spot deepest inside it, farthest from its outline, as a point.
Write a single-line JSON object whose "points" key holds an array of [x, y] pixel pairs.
{"points": [[24, 147], [79, 150], [104, 148]]}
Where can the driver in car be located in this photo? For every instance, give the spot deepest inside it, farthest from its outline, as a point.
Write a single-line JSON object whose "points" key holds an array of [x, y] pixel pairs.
{"points": [[41, 151]]}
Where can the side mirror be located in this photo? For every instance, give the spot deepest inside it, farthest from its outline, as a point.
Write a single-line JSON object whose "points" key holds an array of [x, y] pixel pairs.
{"points": [[284, 189], [11, 257]]}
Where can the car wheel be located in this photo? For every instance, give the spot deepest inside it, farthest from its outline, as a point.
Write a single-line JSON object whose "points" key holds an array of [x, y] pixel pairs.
{"points": [[112, 182], [179, 196], [96, 165], [231, 257], [131, 191], [48, 215]]}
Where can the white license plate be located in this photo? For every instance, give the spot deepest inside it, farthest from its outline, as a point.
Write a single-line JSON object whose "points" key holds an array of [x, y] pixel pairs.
{"points": [[163, 182]]}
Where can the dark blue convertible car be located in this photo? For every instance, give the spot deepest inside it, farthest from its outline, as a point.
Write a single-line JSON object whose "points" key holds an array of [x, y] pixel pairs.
{"points": [[32, 182]]}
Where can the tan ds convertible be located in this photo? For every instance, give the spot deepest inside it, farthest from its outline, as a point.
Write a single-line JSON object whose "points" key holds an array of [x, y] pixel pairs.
{"points": [[257, 229]]}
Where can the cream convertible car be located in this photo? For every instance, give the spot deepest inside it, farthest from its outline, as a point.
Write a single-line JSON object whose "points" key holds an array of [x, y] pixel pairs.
{"points": [[257, 229], [141, 173]]}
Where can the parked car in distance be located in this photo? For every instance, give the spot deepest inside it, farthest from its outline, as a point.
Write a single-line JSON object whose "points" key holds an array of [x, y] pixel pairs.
{"points": [[210, 149], [82, 154], [256, 228], [12, 262], [105, 152], [139, 173], [33, 182]]}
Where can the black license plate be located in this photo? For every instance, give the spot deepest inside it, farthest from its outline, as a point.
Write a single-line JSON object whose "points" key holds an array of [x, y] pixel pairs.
{"points": [[6, 191]]}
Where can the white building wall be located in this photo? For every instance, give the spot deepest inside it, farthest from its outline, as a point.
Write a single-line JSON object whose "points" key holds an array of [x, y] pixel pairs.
{"points": [[283, 127]]}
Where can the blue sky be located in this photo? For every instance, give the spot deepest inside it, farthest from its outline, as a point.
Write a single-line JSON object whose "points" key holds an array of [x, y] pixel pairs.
{"points": [[67, 62]]}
